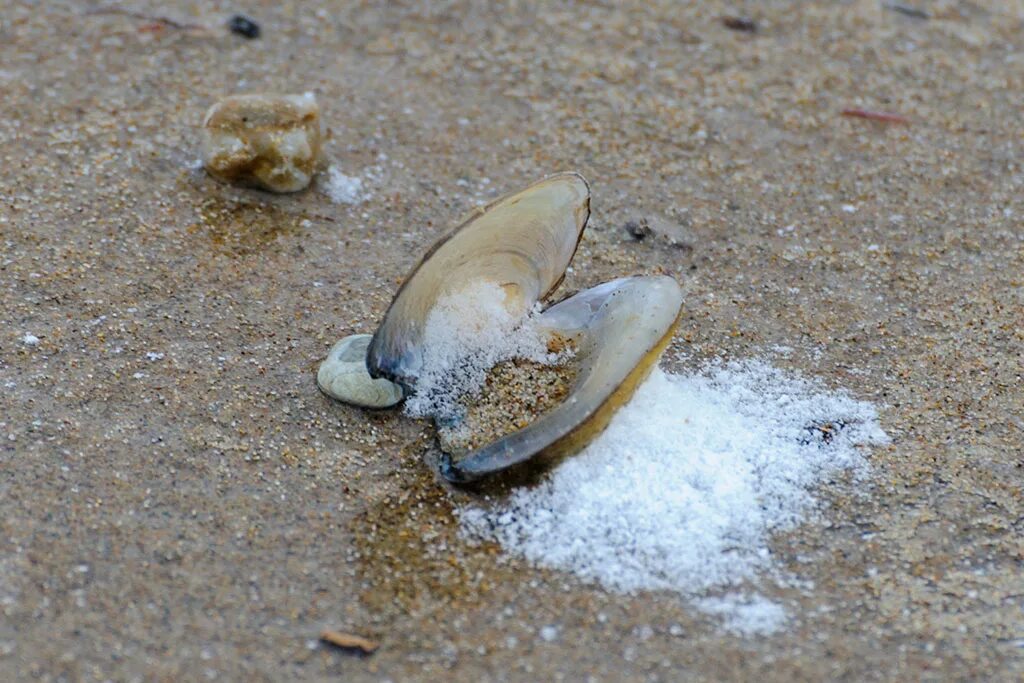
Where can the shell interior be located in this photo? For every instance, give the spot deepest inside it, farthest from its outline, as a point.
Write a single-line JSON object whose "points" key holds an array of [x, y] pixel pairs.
{"points": [[619, 329], [522, 243]]}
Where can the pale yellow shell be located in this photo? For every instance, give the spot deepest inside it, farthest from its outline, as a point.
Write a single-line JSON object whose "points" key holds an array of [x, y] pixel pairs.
{"points": [[522, 242], [620, 328]]}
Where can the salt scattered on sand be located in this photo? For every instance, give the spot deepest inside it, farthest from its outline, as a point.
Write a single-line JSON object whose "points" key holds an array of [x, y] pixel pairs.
{"points": [[344, 189], [684, 489], [745, 614], [466, 334], [549, 633], [30, 339]]}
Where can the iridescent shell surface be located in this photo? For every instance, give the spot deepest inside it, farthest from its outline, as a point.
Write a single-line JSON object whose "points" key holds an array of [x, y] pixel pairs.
{"points": [[619, 329], [522, 242]]}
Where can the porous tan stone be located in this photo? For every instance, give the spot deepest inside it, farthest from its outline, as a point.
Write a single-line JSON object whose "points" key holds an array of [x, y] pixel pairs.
{"points": [[267, 141]]}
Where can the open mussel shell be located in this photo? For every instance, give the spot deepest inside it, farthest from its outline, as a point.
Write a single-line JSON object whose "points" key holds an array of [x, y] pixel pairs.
{"points": [[619, 330], [343, 376], [522, 242]]}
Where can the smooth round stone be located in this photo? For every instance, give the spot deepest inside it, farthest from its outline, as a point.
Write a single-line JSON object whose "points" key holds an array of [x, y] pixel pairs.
{"points": [[343, 376], [268, 141]]}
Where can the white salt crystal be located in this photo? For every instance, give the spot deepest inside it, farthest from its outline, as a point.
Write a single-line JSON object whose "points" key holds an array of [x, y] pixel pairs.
{"points": [[465, 335], [745, 615], [344, 189], [30, 339], [684, 489]]}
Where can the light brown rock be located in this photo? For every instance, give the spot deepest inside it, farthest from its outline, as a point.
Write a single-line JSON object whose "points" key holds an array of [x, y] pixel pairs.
{"points": [[268, 141]]}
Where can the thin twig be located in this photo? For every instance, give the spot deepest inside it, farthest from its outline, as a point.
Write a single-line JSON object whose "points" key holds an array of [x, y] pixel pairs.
{"points": [[154, 18], [907, 10], [884, 117]]}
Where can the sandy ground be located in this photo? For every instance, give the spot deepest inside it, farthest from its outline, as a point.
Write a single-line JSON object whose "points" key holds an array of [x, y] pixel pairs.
{"points": [[204, 511]]}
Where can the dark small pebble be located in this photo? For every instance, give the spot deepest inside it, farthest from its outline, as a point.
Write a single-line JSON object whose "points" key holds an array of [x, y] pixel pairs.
{"points": [[639, 230], [244, 26], [822, 433], [740, 24]]}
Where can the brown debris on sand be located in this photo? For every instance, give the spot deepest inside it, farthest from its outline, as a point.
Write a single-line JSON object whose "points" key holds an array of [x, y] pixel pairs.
{"points": [[880, 116], [349, 641]]}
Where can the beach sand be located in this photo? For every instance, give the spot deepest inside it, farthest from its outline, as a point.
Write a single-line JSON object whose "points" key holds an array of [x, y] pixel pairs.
{"points": [[180, 502]]}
